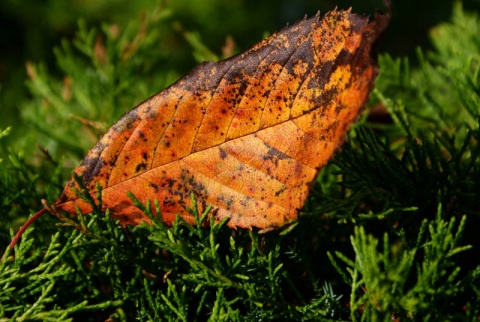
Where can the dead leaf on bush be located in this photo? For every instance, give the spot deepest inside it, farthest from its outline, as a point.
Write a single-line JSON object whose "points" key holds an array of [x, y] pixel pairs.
{"points": [[246, 135]]}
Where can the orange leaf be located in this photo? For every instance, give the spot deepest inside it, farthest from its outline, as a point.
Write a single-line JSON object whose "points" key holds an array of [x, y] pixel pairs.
{"points": [[246, 135]]}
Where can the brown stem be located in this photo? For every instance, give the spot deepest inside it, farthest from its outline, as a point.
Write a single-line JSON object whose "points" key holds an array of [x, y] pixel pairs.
{"points": [[22, 229]]}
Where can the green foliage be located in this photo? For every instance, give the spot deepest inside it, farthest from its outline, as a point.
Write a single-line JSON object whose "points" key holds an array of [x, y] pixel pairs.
{"points": [[104, 76], [181, 273], [389, 230], [380, 288]]}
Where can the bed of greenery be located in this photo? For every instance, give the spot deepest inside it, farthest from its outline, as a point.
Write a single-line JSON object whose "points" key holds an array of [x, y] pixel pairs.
{"points": [[389, 232]]}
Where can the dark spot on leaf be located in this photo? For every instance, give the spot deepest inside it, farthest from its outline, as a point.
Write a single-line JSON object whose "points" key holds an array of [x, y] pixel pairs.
{"points": [[140, 167], [155, 187], [277, 193], [223, 154]]}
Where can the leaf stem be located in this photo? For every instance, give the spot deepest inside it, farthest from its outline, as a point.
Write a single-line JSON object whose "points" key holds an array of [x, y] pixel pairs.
{"points": [[22, 229]]}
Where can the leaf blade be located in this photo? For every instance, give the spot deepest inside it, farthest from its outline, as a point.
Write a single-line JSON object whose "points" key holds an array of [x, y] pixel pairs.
{"points": [[247, 135]]}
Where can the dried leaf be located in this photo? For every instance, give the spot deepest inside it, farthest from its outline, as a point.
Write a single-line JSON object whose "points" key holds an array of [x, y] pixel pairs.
{"points": [[246, 135]]}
